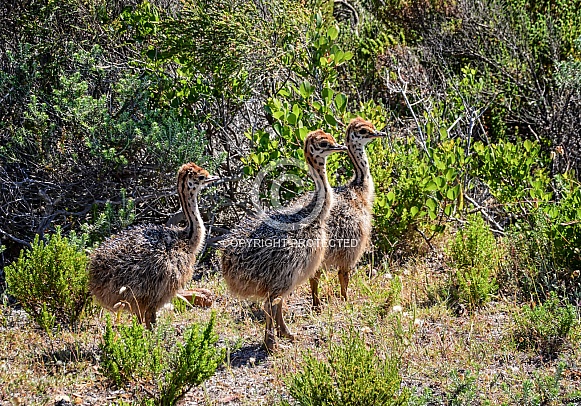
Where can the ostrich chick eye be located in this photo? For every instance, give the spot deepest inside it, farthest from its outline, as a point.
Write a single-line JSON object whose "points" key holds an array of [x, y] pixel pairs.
{"points": [[363, 132], [201, 177], [324, 144]]}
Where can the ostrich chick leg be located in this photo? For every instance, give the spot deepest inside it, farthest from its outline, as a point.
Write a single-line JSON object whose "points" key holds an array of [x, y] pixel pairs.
{"points": [[281, 327], [269, 325]]}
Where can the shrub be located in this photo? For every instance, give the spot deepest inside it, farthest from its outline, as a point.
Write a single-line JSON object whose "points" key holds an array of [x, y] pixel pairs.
{"points": [[529, 271], [84, 122], [474, 254], [545, 327], [191, 363], [352, 375], [129, 353], [543, 253], [565, 223], [50, 281], [464, 389], [543, 389], [132, 353]]}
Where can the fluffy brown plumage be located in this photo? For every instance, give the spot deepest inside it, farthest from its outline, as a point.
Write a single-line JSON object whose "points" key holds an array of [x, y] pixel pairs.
{"points": [[268, 255], [349, 225], [144, 267]]}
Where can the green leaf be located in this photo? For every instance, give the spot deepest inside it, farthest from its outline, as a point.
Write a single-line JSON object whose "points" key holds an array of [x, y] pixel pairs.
{"points": [[431, 204], [440, 182], [391, 196], [453, 192], [448, 210], [441, 165], [306, 90], [296, 110], [528, 145], [341, 102], [330, 120], [450, 174], [333, 32], [327, 94], [450, 194], [431, 186], [414, 210]]}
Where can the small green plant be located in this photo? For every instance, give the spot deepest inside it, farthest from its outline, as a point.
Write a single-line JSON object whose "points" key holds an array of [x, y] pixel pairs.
{"points": [[129, 353], [351, 375], [417, 190], [529, 271], [134, 354], [107, 221], [514, 172], [463, 390], [422, 397], [542, 389], [546, 327], [474, 254], [50, 280], [543, 247], [191, 363]]}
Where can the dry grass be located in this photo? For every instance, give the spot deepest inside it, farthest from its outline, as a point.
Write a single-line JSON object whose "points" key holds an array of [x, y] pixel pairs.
{"points": [[461, 359]]}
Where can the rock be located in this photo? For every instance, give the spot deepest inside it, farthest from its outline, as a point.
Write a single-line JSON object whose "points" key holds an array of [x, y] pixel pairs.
{"points": [[198, 297], [62, 400]]}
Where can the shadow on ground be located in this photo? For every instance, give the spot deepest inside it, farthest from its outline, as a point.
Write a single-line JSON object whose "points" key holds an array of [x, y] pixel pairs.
{"points": [[248, 355]]}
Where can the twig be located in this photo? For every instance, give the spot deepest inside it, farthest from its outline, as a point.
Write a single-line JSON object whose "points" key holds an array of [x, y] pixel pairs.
{"points": [[499, 229], [426, 239], [15, 239]]}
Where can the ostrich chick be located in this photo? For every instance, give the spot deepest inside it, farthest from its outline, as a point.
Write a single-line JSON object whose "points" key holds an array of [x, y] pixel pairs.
{"points": [[349, 225], [145, 266], [268, 255]]}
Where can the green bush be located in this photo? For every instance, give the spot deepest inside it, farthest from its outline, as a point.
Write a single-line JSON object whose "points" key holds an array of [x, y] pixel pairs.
{"points": [[475, 256], [191, 363], [134, 354], [129, 353], [50, 280], [542, 389], [530, 270], [464, 389], [564, 217], [545, 327], [420, 183], [351, 375], [514, 172], [106, 222], [543, 247], [312, 101], [84, 121], [400, 178]]}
